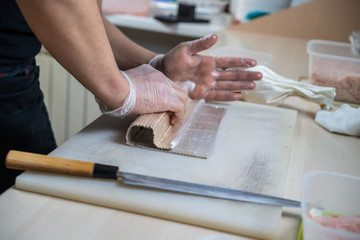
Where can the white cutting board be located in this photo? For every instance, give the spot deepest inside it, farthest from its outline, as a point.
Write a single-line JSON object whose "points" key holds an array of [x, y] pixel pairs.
{"points": [[252, 152]]}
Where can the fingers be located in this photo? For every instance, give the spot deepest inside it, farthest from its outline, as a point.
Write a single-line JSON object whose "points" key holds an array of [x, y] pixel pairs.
{"points": [[176, 116], [178, 111], [178, 104], [234, 85], [181, 94], [239, 75], [222, 96], [202, 43], [230, 81], [229, 90], [199, 91], [236, 80], [234, 62], [229, 84]]}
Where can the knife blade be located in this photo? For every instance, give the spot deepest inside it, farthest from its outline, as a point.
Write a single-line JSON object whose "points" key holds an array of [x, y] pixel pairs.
{"points": [[38, 162]]}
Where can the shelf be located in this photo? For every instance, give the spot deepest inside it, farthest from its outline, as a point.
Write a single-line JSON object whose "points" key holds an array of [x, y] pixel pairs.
{"points": [[154, 25]]}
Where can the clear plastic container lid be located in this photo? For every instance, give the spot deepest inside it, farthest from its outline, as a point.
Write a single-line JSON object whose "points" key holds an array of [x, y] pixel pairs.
{"points": [[334, 50]]}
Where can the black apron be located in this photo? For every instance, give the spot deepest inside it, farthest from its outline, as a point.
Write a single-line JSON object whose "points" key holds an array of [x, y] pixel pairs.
{"points": [[24, 121]]}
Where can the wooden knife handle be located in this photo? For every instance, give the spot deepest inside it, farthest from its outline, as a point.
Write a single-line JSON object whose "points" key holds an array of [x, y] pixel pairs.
{"points": [[39, 162]]}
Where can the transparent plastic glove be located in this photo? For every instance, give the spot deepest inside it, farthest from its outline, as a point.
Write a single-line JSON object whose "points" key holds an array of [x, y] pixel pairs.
{"points": [[150, 92], [183, 63], [273, 89], [345, 119]]}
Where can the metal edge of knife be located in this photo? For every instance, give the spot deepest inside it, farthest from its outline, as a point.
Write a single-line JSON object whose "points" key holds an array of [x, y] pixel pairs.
{"points": [[204, 190]]}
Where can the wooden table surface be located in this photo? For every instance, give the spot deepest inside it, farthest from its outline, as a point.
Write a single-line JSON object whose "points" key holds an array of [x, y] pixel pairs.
{"points": [[25, 215]]}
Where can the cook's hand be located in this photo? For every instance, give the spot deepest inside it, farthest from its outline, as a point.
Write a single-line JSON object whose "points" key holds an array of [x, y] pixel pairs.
{"points": [[212, 82], [150, 92]]}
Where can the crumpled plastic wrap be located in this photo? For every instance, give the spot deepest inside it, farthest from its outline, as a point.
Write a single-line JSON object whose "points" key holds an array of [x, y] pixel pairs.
{"points": [[274, 88], [345, 120]]}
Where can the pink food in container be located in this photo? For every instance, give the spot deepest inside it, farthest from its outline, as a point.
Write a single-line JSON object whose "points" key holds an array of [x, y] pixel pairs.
{"points": [[346, 223], [333, 64]]}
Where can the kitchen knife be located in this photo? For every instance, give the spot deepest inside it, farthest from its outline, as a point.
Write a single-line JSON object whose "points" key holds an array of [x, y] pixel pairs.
{"points": [[38, 162]]}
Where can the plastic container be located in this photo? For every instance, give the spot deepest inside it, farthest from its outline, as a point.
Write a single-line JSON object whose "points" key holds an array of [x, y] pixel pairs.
{"points": [[330, 199], [333, 64]]}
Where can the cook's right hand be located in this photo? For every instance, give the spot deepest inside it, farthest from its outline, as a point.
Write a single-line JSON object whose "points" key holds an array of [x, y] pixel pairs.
{"points": [[151, 92], [156, 93]]}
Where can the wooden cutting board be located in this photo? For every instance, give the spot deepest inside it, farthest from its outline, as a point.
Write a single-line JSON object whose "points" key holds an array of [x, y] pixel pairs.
{"points": [[252, 152]]}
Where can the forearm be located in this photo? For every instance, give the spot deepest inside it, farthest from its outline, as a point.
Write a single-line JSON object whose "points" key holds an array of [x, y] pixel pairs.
{"points": [[127, 53], [73, 32]]}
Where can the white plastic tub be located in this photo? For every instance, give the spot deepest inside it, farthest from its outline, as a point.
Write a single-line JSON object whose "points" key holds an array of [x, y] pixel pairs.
{"points": [[330, 206]]}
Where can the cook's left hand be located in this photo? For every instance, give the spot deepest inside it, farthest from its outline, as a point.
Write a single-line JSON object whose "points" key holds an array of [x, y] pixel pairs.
{"points": [[212, 81]]}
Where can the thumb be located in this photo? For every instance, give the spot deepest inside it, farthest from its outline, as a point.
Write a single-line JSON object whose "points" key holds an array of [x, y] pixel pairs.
{"points": [[202, 43]]}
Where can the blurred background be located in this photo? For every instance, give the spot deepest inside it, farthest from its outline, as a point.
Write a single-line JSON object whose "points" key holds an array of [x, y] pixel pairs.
{"points": [[240, 10]]}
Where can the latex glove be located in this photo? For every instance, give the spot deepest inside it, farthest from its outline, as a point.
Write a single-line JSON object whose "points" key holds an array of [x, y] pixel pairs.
{"points": [[274, 88], [183, 63], [150, 92]]}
